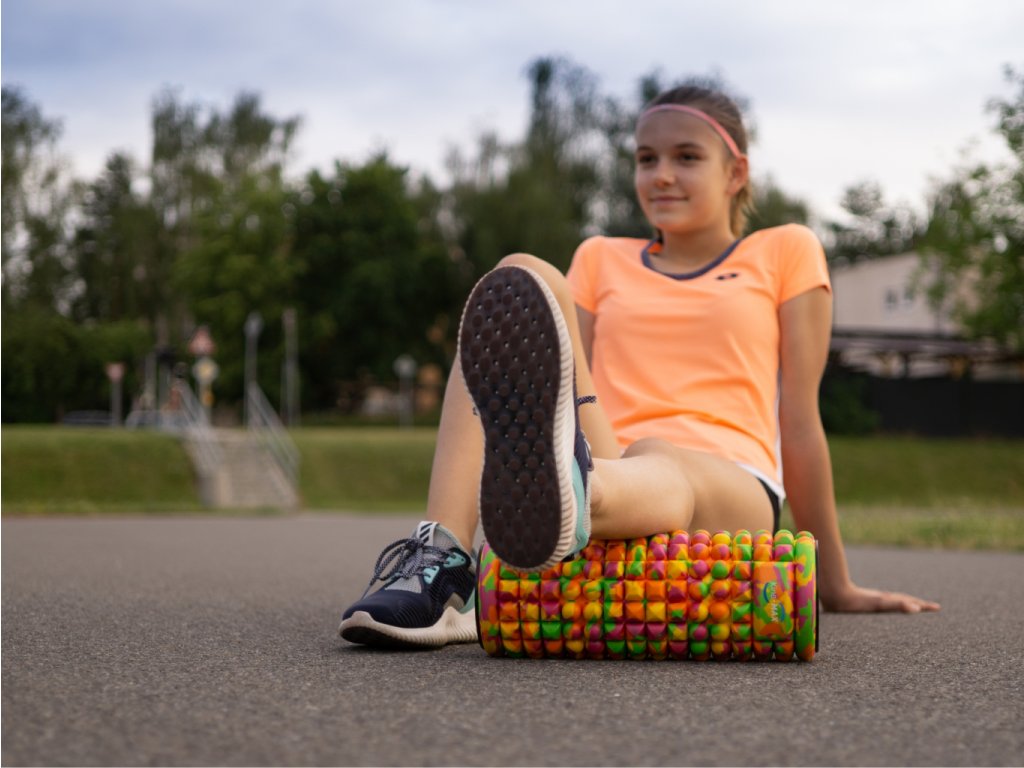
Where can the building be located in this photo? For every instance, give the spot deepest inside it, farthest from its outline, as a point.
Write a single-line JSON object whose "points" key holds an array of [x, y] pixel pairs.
{"points": [[884, 325]]}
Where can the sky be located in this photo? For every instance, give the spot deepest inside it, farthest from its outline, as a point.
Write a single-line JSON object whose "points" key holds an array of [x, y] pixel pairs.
{"points": [[881, 90]]}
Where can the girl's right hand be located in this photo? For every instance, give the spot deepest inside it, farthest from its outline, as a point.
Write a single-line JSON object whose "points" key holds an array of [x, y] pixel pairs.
{"points": [[854, 599]]}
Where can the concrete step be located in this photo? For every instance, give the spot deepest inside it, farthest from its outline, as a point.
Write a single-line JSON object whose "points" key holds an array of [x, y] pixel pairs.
{"points": [[247, 476]]}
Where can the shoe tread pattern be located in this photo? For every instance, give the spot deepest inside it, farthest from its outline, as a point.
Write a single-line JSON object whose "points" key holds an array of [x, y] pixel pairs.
{"points": [[511, 361]]}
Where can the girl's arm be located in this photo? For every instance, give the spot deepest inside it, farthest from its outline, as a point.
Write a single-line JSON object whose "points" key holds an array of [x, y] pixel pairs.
{"points": [[586, 322], [805, 325]]}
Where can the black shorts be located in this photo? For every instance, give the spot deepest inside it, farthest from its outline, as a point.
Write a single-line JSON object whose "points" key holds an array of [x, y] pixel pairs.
{"points": [[776, 504]]}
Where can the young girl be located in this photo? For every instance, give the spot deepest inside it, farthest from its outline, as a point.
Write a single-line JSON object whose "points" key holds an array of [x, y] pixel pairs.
{"points": [[661, 385]]}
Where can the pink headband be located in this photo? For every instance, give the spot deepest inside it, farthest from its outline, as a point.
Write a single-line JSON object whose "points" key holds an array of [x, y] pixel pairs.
{"points": [[729, 142]]}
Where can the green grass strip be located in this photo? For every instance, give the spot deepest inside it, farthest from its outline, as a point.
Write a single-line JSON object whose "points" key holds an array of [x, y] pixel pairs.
{"points": [[373, 469], [56, 470]]}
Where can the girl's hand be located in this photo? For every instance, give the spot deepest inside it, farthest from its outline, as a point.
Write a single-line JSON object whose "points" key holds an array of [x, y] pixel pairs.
{"points": [[854, 599]]}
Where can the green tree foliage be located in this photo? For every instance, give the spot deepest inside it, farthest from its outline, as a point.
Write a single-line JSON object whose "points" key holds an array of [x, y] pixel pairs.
{"points": [[773, 207], [241, 263], [202, 160], [219, 191], [36, 196], [52, 365], [42, 364], [975, 236], [375, 280], [535, 196], [115, 249], [873, 228]]}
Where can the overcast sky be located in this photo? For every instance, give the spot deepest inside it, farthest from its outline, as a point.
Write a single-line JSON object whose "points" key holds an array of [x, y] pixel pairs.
{"points": [[890, 90]]}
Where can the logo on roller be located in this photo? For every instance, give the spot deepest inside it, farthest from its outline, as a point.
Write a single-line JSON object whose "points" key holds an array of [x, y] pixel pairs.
{"points": [[770, 598]]}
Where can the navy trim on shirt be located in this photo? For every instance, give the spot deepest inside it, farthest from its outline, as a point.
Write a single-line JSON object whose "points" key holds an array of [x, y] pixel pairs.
{"points": [[645, 255]]}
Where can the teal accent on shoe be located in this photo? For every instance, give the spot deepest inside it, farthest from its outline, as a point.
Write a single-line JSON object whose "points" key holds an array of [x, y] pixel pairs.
{"points": [[470, 603], [582, 512], [455, 559]]}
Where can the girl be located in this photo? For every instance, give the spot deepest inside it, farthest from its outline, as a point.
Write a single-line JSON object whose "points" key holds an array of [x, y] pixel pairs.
{"points": [[661, 385]]}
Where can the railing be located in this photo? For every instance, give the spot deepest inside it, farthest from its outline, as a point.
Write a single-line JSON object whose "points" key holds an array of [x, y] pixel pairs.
{"points": [[263, 421], [194, 422]]}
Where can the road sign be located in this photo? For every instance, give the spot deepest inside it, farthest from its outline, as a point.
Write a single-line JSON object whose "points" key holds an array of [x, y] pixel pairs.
{"points": [[205, 370], [115, 371], [201, 344]]}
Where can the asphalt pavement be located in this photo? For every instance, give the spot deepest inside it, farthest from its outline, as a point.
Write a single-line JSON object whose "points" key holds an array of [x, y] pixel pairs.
{"points": [[212, 641]]}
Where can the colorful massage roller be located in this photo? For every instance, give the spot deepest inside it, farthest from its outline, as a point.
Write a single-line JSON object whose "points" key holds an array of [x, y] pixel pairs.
{"points": [[667, 596]]}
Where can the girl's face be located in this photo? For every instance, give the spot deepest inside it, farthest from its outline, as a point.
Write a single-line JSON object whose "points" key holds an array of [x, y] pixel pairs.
{"points": [[685, 176]]}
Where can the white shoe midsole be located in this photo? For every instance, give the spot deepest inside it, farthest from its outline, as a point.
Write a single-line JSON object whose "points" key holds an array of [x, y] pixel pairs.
{"points": [[454, 626]]}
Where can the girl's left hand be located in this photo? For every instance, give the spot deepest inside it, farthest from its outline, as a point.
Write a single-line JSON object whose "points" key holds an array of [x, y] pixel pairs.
{"points": [[854, 599]]}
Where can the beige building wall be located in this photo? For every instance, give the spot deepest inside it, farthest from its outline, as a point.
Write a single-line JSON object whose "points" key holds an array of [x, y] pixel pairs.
{"points": [[878, 295]]}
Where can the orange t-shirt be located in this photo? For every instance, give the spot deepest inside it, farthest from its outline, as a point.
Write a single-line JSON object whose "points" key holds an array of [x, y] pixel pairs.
{"points": [[694, 359]]}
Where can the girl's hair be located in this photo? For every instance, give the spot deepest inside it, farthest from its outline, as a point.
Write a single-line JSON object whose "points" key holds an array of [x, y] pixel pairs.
{"points": [[724, 110]]}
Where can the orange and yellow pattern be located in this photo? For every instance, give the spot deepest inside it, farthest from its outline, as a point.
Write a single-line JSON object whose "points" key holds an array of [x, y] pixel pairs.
{"points": [[669, 596]]}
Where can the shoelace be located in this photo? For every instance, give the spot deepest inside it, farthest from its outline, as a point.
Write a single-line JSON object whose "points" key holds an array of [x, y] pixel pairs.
{"points": [[406, 558]]}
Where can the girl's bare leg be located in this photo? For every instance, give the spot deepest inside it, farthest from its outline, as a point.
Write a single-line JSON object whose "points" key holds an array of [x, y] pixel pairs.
{"points": [[455, 476], [658, 487]]}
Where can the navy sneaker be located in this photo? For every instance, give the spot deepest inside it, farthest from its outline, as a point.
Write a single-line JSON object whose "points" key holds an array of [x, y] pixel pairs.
{"points": [[517, 360], [427, 599]]}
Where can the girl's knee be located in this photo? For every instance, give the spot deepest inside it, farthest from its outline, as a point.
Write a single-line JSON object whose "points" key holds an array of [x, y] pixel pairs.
{"points": [[648, 445], [523, 260], [675, 475], [548, 273]]}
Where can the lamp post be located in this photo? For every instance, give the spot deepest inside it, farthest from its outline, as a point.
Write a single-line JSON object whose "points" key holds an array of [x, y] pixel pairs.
{"points": [[405, 368], [115, 372], [253, 326], [290, 390]]}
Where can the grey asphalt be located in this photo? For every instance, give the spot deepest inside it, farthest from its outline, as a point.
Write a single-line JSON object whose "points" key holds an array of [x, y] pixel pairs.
{"points": [[211, 641]]}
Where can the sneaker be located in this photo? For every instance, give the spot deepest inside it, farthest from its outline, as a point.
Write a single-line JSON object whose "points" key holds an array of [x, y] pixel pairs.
{"points": [[427, 599], [517, 360]]}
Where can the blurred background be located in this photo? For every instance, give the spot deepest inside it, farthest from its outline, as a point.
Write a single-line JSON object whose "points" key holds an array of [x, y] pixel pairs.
{"points": [[267, 215]]}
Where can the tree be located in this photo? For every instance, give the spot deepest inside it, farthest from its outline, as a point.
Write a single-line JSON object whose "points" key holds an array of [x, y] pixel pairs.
{"points": [[41, 369], [873, 227], [773, 207], [36, 197], [201, 159], [115, 250], [975, 236], [375, 280], [537, 195], [241, 263], [223, 234]]}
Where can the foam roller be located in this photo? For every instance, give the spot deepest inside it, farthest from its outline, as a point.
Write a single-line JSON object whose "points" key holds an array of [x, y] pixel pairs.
{"points": [[669, 596]]}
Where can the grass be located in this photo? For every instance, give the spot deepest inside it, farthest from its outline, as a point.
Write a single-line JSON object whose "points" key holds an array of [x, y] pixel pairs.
{"points": [[48, 470], [897, 491], [914, 472], [987, 528], [375, 469]]}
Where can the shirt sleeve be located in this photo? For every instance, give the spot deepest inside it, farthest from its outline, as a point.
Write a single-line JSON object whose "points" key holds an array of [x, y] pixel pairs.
{"points": [[582, 276], [802, 264]]}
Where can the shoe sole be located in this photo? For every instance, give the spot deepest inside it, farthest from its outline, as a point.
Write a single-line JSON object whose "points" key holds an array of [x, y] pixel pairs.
{"points": [[453, 627], [517, 361]]}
